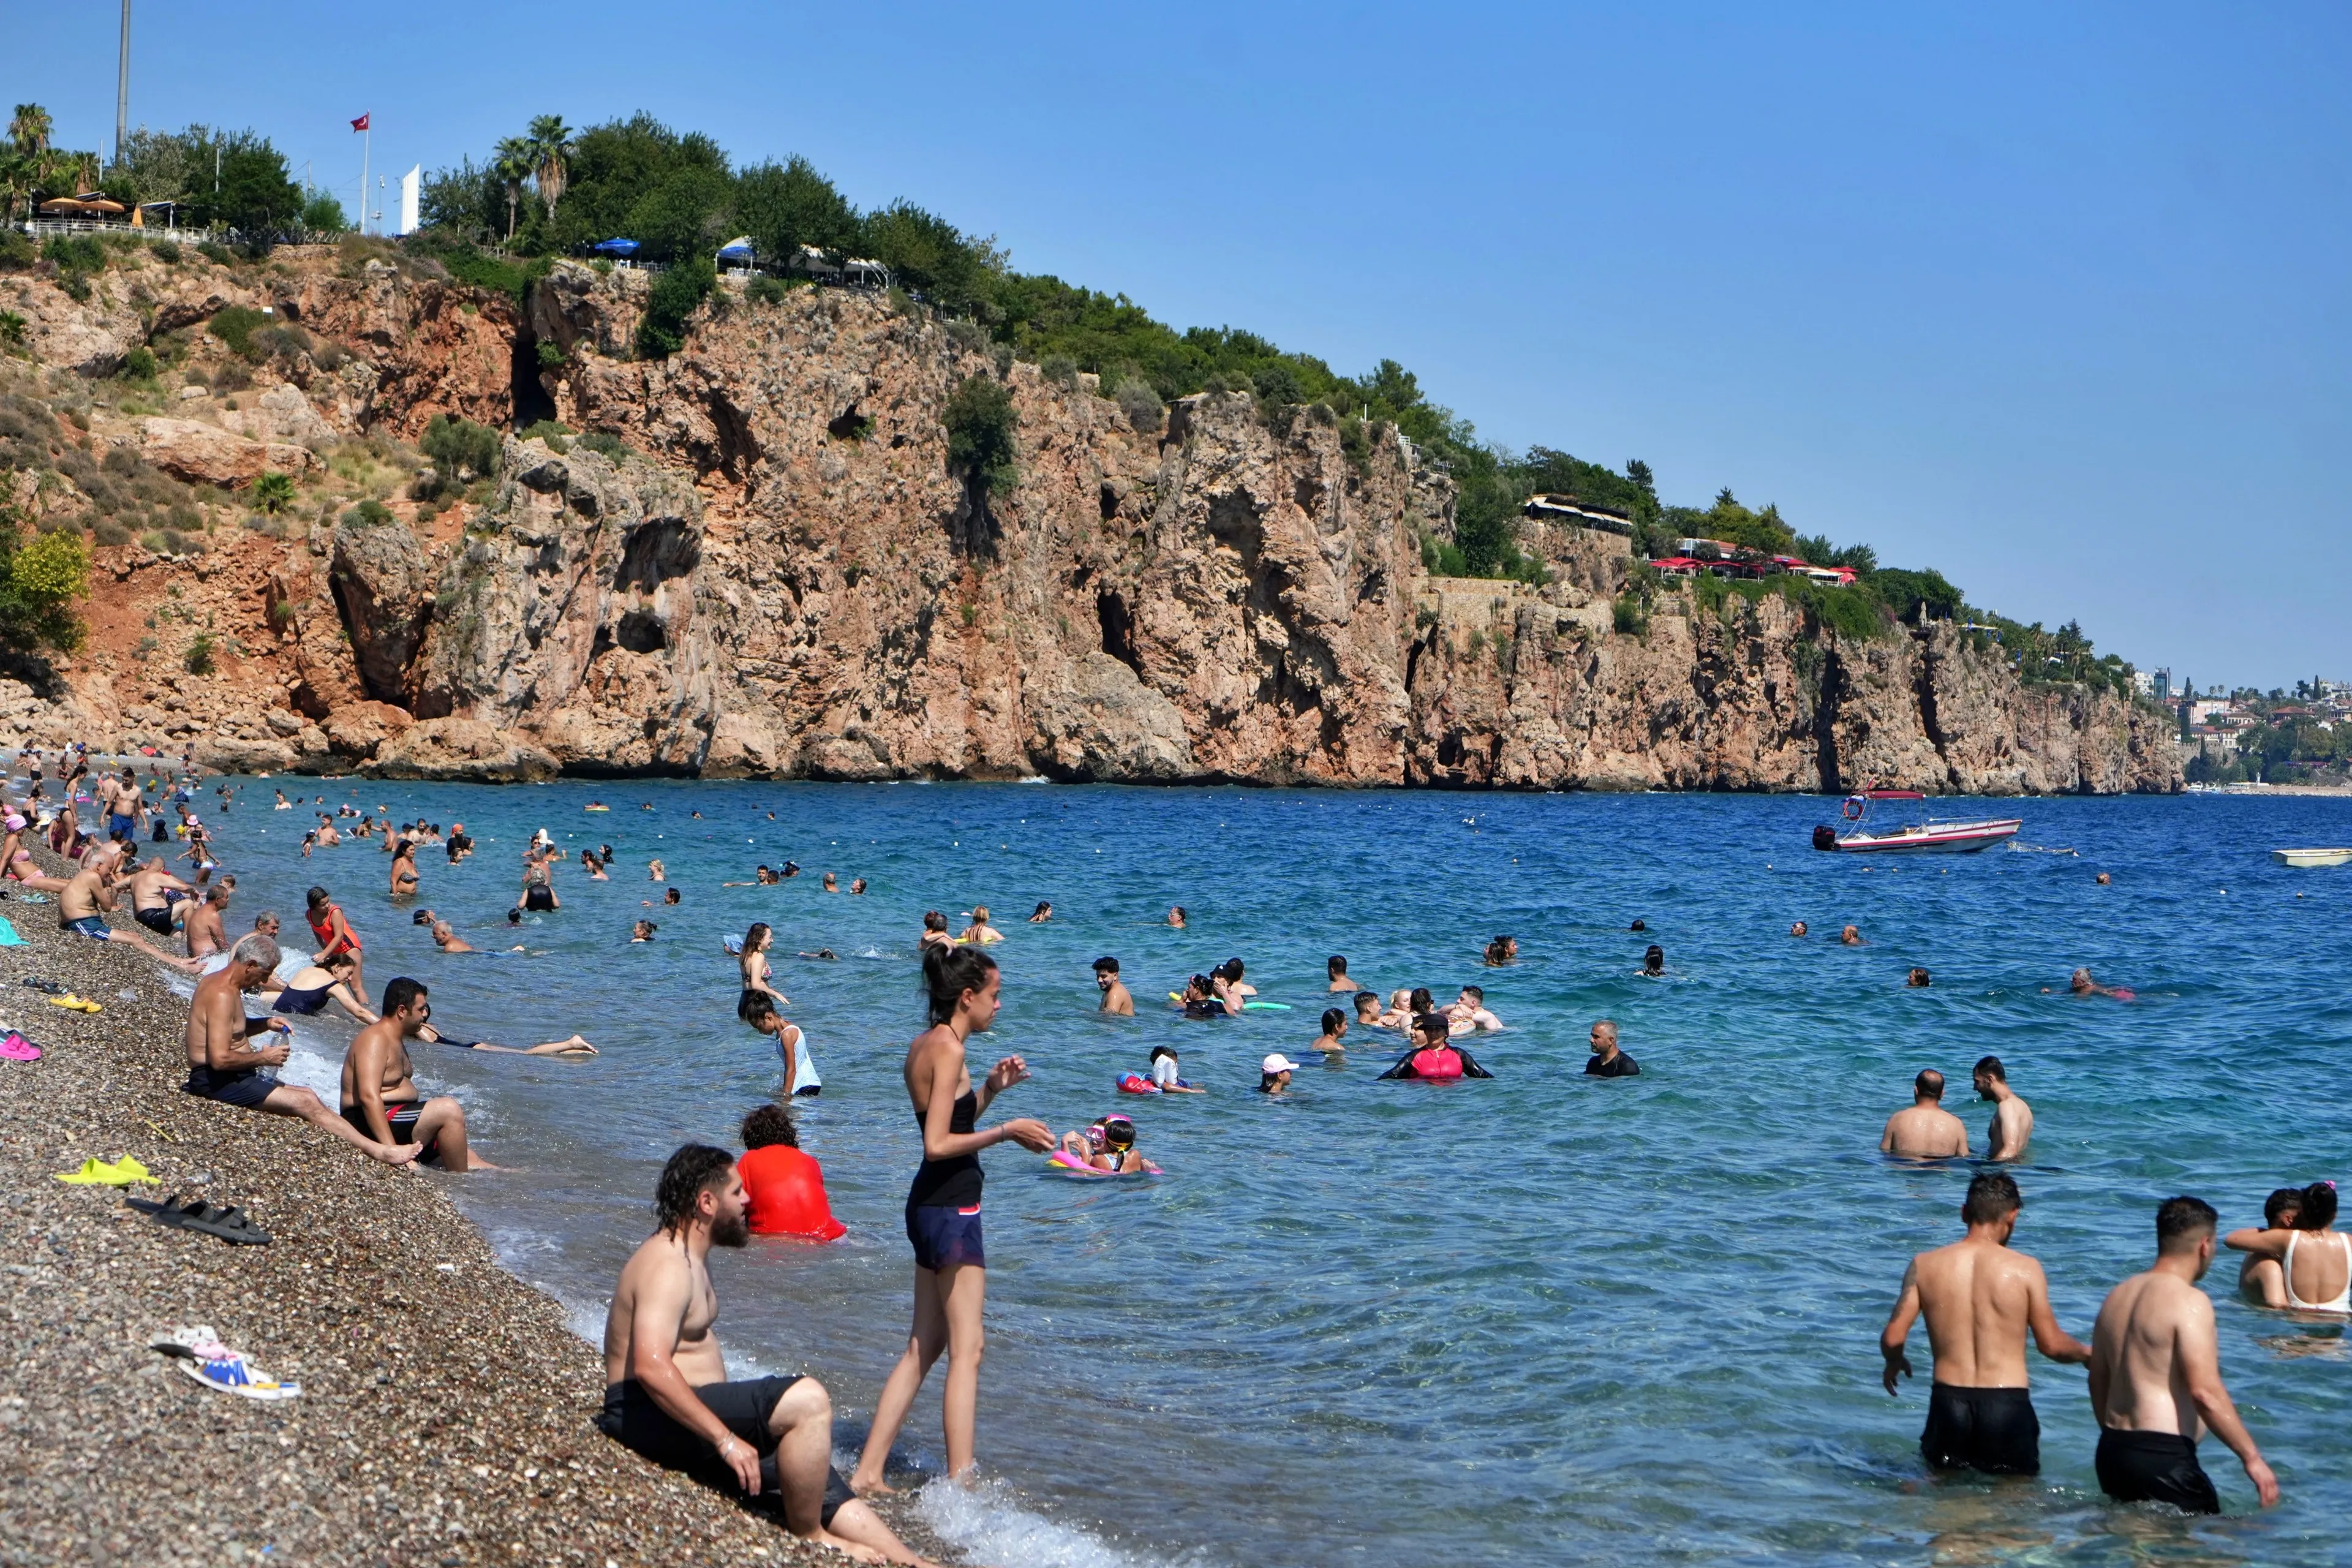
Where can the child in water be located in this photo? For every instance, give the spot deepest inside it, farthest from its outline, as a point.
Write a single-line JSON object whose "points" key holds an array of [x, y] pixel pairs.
{"points": [[1109, 1145], [1335, 1026], [1163, 1072]]}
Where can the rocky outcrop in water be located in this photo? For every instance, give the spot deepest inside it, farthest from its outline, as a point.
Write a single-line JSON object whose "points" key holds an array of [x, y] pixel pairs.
{"points": [[776, 572]]}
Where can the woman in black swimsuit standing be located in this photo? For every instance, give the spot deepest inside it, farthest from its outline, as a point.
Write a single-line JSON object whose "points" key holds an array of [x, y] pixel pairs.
{"points": [[944, 1206]]}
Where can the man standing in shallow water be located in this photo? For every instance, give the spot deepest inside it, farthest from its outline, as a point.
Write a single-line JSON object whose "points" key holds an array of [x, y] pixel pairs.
{"points": [[2155, 1375], [2013, 1119], [1979, 1298], [1926, 1130]]}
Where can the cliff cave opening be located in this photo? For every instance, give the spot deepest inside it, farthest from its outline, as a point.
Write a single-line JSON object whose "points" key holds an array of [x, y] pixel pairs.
{"points": [[532, 402], [1118, 629]]}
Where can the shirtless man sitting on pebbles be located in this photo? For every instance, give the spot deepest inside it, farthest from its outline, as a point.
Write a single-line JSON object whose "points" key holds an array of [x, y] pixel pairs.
{"points": [[1979, 1298], [379, 1097], [222, 1067], [89, 895], [1926, 1130], [665, 1389]]}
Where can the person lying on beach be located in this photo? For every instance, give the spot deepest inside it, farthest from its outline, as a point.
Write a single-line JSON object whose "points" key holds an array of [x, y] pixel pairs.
{"points": [[1979, 1298], [2013, 1119], [1926, 1130], [2261, 1279], [1208, 996], [1606, 1060], [1336, 966], [380, 1098], [1164, 1074], [308, 990], [935, 931], [1334, 1029], [222, 1067], [1367, 1010], [1116, 998], [448, 941], [758, 1008], [1469, 1012], [2314, 1259], [978, 931], [18, 861], [666, 1391]]}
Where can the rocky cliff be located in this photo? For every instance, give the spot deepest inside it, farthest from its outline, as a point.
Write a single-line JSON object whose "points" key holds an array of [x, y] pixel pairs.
{"points": [[760, 563]]}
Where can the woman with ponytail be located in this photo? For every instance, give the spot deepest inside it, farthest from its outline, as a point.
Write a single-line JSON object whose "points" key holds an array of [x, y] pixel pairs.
{"points": [[943, 1205]]}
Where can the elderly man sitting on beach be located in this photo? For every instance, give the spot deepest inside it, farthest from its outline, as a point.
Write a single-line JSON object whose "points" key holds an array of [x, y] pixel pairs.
{"points": [[222, 1064], [665, 1389], [89, 894]]}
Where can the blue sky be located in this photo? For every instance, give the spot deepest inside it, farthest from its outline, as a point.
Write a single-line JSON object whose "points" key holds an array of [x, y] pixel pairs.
{"points": [[2054, 298]]}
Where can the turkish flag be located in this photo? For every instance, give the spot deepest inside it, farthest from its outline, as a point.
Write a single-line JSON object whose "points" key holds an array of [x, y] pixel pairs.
{"points": [[361, 123]]}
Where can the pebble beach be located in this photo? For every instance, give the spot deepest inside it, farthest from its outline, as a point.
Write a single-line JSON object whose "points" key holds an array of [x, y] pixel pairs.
{"points": [[444, 1417]]}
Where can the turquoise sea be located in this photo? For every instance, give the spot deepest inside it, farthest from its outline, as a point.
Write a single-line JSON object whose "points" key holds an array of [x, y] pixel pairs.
{"points": [[1535, 1320]]}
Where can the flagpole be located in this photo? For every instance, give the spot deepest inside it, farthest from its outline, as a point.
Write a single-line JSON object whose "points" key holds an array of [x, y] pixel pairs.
{"points": [[367, 139]]}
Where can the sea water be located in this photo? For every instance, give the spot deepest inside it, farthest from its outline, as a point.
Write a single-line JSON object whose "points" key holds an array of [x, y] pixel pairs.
{"points": [[1534, 1319]]}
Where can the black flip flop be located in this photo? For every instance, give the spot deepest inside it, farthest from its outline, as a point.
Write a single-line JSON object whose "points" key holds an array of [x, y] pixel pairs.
{"points": [[47, 988], [230, 1225]]}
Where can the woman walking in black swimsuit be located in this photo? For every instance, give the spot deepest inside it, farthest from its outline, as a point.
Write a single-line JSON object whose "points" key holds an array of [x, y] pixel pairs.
{"points": [[944, 1206]]}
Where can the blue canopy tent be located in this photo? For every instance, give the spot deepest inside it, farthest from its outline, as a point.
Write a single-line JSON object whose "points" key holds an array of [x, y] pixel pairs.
{"points": [[737, 252], [616, 247]]}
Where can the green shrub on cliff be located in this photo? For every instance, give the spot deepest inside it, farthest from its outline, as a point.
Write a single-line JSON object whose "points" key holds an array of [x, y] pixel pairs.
{"points": [[669, 305], [459, 446], [980, 423], [40, 578]]}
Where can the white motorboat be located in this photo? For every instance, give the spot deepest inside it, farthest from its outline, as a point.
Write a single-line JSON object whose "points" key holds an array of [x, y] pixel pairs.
{"points": [[2311, 857], [1932, 836]]}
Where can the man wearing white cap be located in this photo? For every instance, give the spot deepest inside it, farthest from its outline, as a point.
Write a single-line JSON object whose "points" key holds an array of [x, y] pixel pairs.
{"points": [[1274, 1074]]}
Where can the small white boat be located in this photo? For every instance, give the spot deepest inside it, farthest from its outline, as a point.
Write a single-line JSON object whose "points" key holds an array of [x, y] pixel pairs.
{"points": [[1930, 837], [2311, 857]]}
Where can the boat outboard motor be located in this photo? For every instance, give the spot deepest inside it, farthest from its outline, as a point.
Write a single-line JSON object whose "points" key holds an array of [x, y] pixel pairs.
{"points": [[1824, 837]]}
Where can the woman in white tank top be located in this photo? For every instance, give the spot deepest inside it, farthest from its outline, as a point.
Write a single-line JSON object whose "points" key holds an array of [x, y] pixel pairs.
{"points": [[2315, 1260]]}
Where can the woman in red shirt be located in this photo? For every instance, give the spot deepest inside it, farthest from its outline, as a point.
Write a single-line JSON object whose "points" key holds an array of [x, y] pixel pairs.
{"points": [[335, 935], [783, 1189]]}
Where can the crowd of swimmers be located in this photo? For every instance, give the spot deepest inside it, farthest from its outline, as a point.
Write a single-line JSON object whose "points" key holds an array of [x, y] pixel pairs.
{"points": [[2155, 1378]]}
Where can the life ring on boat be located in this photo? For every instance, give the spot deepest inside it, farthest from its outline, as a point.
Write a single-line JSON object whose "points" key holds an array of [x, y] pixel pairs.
{"points": [[1853, 809]]}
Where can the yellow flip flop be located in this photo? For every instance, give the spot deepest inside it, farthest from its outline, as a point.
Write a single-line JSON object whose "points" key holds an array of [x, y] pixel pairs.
{"points": [[74, 1004], [97, 1172]]}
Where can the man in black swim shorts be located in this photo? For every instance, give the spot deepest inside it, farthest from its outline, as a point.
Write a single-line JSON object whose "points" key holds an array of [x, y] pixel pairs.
{"points": [[665, 1393], [2155, 1375], [1979, 1298]]}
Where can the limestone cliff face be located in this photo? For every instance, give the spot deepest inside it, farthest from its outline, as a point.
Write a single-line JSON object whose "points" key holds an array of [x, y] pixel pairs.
{"points": [[777, 573]]}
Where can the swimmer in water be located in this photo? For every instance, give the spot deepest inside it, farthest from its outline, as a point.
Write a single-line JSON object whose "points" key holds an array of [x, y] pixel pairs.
{"points": [[832, 883], [1469, 1012], [1231, 970], [1606, 1060], [1207, 996], [1850, 937], [857, 887], [1639, 925], [1367, 1010], [2013, 1119], [1503, 950], [1334, 1029], [2080, 984], [1176, 916], [1979, 1298], [1400, 1011], [980, 932], [1115, 999], [2261, 1279], [1044, 912], [2314, 1259], [1926, 1130], [1798, 929], [935, 931], [823, 954], [1274, 1074], [1109, 1145], [1918, 980], [653, 868], [1337, 968], [1654, 964], [643, 930], [448, 941], [1164, 1072], [2105, 879]]}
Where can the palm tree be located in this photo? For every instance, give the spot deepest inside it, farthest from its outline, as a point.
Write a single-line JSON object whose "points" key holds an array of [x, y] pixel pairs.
{"points": [[512, 161], [551, 143], [30, 128]]}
